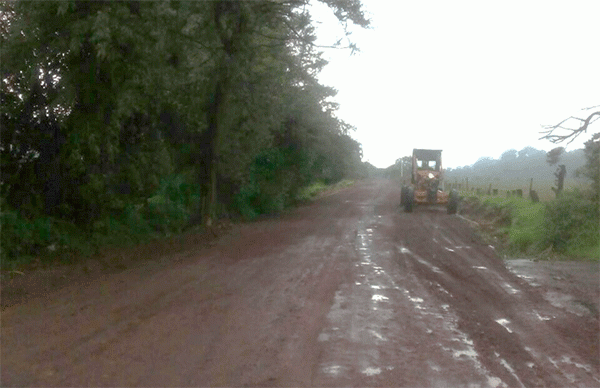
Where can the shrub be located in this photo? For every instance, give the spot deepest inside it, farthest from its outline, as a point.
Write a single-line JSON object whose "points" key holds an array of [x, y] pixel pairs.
{"points": [[572, 224]]}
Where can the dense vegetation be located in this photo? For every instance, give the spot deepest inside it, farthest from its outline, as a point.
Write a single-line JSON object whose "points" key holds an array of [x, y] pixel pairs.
{"points": [[126, 119], [565, 226]]}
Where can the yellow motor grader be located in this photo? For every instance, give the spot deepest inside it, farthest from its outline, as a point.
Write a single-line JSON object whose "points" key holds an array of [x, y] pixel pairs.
{"points": [[427, 186]]}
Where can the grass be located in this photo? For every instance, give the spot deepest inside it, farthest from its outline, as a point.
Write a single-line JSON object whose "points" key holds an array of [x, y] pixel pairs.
{"points": [[566, 228], [542, 187], [319, 187]]}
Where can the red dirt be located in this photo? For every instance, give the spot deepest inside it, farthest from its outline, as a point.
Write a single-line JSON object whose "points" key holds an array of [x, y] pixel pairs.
{"points": [[348, 290]]}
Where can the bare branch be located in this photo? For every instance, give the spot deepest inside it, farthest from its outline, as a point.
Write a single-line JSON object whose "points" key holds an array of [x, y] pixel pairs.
{"points": [[571, 132]]}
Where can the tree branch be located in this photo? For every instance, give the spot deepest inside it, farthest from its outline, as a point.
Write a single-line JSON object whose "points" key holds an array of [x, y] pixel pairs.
{"points": [[571, 133]]}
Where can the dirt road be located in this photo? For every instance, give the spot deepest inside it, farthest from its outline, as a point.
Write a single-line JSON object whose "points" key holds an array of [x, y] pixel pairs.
{"points": [[345, 291]]}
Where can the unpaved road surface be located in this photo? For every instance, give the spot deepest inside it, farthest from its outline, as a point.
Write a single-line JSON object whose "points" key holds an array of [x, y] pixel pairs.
{"points": [[347, 291]]}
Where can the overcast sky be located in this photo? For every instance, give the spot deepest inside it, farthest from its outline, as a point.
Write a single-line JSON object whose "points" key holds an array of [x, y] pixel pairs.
{"points": [[474, 78]]}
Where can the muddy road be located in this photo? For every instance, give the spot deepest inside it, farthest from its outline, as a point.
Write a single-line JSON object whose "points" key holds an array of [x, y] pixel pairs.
{"points": [[346, 291]]}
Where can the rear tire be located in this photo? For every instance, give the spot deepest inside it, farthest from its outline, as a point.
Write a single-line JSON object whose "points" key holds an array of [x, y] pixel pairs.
{"points": [[409, 201], [453, 202]]}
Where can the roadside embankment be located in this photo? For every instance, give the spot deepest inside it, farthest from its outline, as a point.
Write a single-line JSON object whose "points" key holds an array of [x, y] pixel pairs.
{"points": [[566, 228]]}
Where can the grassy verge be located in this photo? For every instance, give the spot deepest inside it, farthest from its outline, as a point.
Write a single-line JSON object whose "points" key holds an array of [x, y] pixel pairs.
{"points": [[565, 228], [319, 188]]}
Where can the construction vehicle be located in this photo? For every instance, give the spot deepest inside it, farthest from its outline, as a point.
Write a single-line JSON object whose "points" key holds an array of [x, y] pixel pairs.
{"points": [[427, 184]]}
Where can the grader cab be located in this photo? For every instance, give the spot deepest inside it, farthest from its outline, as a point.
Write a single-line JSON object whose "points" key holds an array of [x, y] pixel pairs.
{"points": [[427, 185]]}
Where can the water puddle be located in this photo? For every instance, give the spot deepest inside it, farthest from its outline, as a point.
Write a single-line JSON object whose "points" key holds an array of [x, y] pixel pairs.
{"points": [[376, 287], [333, 369], [434, 366], [404, 250], [449, 249], [431, 266], [560, 300], [476, 267], [323, 337], [569, 360], [510, 289], [541, 317], [377, 335], [379, 298], [370, 371], [504, 322], [509, 368]]}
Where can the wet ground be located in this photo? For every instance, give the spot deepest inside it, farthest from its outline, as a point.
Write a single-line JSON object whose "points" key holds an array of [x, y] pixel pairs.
{"points": [[347, 291]]}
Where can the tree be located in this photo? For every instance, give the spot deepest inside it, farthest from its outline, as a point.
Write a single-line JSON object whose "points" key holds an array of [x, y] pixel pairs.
{"points": [[592, 146], [509, 155], [103, 101], [553, 156], [572, 132]]}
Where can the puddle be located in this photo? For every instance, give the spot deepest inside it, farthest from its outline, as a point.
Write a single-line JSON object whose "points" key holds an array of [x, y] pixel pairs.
{"points": [[323, 337], [377, 335], [415, 300], [476, 267], [510, 289], [404, 250], [504, 322], [370, 371], [568, 360], [378, 297], [376, 287], [510, 369], [333, 370], [425, 263], [434, 366], [449, 249], [541, 317], [560, 300]]}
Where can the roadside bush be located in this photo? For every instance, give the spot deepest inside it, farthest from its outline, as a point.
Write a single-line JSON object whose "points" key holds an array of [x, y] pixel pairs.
{"points": [[276, 176], [572, 225], [311, 190], [170, 208], [21, 238], [526, 233]]}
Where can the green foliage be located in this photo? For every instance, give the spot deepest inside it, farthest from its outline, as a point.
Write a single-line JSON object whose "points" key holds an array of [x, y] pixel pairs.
{"points": [[572, 224], [568, 225], [119, 117], [526, 231], [312, 190], [276, 176], [591, 170], [521, 220], [170, 208]]}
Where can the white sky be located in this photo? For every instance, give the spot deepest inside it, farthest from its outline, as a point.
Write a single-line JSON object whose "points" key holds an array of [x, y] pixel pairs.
{"points": [[474, 78]]}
